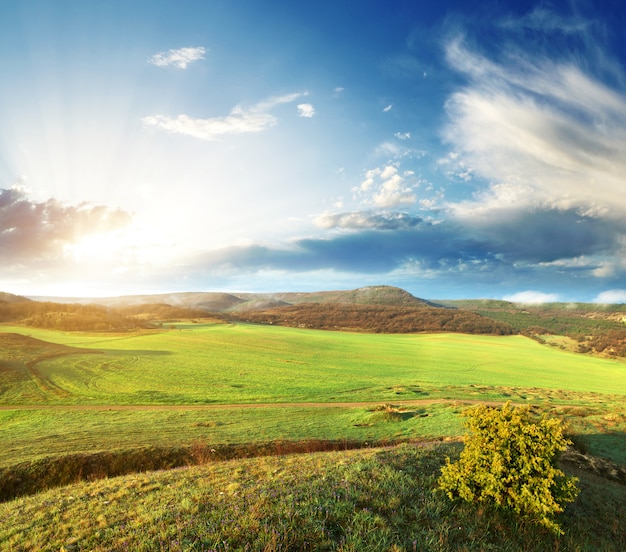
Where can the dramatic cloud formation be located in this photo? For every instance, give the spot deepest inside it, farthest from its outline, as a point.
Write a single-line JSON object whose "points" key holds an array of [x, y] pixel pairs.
{"points": [[31, 230], [239, 121], [455, 149], [544, 235], [378, 243], [542, 126], [361, 219], [178, 58]]}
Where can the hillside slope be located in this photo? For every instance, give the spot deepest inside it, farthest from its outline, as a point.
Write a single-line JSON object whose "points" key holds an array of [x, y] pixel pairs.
{"points": [[384, 309], [591, 328], [376, 500], [10, 298], [369, 295], [375, 318]]}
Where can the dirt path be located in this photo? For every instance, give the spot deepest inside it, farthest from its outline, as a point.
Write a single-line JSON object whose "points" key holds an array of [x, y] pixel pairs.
{"points": [[405, 403]]}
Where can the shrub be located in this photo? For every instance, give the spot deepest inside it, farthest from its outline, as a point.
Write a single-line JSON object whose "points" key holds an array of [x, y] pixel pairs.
{"points": [[509, 460]]}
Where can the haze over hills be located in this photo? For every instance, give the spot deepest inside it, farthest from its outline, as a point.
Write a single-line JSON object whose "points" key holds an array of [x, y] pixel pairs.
{"points": [[222, 302], [11, 298], [384, 309]]}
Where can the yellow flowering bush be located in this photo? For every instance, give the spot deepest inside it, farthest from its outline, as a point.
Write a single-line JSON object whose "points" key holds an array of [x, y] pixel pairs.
{"points": [[509, 460]]}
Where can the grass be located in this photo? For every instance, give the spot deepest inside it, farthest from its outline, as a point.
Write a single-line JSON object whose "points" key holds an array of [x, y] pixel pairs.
{"points": [[374, 500], [226, 364], [83, 405], [213, 365], [31, 435]]}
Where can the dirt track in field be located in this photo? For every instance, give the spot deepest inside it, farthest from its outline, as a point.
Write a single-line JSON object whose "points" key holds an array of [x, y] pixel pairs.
{"points": [[399, 403]]}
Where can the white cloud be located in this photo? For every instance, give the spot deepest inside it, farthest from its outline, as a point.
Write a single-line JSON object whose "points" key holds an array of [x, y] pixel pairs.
{"points": [[605, 270], [386, 188], [178, 58], [532, 297], [238, 121], [402, 135], [498, 198], [306, 110], [36, 230], [541, 126], [388, 108], [389, 172], [359, 220], [611, 296]]}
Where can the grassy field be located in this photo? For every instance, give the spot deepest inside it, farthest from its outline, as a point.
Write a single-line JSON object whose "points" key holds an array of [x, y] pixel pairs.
{"points": [[198, 392], [175, 387], [231, 364], [368, 500], [35, 434]]}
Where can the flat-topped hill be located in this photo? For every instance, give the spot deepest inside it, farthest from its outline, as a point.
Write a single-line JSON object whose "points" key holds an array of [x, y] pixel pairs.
{"points": [[369, 295], [212, 301]]}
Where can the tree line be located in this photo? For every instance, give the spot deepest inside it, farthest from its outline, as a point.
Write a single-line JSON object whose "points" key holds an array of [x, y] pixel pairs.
{"points": [[376, 318], [597, 329], [90, 317]]}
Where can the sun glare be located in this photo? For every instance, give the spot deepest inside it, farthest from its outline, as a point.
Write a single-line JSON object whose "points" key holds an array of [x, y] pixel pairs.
{"points": [[97, 248], [131, 245]]}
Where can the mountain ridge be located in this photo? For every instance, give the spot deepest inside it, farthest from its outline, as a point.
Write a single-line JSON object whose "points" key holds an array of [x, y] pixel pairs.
{"points": [[213, 301]]}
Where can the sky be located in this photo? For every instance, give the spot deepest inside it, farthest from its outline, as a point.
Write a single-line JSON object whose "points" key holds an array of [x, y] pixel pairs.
{"points": [[454, 149]]}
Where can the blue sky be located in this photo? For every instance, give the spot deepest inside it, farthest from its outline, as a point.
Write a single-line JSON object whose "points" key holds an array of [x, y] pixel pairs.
{"points": [[455, 149]]}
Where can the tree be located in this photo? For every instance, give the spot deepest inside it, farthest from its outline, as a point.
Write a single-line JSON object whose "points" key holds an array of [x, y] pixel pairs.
{"points": [[509, 460]]}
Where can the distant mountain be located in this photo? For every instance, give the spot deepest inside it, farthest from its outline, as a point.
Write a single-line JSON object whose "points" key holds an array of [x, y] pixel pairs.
{"points": [[206, 301], [370, 295], [599, 329], [238, 302]]}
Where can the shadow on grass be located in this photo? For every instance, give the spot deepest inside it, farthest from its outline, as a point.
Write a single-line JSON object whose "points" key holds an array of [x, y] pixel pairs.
{"points": [[608, 451], [33, 477]]}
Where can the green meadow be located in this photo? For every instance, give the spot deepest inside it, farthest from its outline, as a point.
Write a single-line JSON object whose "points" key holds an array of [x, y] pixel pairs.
{"points": [[78, 406], [232, 364], [178, 386]]}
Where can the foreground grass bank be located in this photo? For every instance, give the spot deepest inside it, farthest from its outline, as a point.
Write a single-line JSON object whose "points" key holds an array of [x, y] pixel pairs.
{"points": [[375, 500]]}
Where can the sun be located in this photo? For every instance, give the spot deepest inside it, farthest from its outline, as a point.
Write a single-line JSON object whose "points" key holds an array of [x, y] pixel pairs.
{"points": [[95, 248], [135, 245]]}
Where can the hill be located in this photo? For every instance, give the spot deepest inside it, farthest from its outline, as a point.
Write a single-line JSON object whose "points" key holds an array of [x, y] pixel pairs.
{"points": [[369, 295], [207, 301], [381, 309], [374, 500], [585, 327], [222, 302], [385, 309], [10, 298], [591, 328], [375, 318], [67, 317]]}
